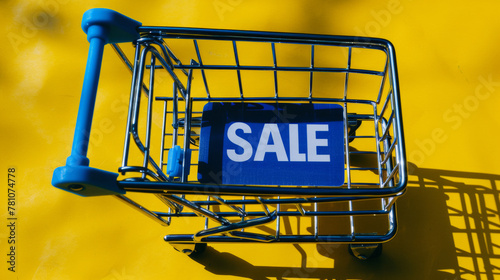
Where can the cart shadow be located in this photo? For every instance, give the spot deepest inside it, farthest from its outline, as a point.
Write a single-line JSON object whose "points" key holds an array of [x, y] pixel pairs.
{"points": [[449, 228], [222, 263]]}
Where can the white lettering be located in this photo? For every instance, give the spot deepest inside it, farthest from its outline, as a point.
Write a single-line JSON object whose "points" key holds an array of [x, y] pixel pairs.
{"points": [[294, 144], [270, 130], [270, 141], [247, 148], [313, 143]]}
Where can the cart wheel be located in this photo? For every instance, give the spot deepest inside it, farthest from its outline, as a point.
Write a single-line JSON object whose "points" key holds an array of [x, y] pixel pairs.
{"points": [[365, 251], [190, 249]]}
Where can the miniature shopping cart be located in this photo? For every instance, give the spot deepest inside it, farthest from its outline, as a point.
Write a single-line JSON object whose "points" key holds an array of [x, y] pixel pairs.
{"points": [[264, 137]]}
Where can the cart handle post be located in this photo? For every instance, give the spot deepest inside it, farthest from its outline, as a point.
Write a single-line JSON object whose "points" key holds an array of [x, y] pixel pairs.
{"points": [[102, 26]]}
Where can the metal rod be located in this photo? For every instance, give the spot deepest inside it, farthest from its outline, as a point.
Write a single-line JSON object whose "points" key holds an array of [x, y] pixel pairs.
{"points": [[274, 68], [141, 209], [377, 144], [171, 205], [281, 69], [164, 124], [175, 117], [186, 156], [238, 70], [220, 200], [286, 213], [131, 105], [149, 116], [197, 209], [348, 70], [311, 73], [362, 189], [127, 62], [200, 61]]}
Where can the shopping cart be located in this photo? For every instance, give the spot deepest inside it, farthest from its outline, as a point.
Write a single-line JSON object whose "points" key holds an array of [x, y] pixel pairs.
{"points": [[259, 129]]}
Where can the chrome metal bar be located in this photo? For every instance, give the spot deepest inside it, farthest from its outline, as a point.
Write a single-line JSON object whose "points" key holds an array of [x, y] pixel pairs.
{"points": [[316, 224], [386, 130], [122, 56], [238, 70], [385, 106], [235, 226], [176, 208], [278, 221], [311, 72], [141, 169], [266, 210], [165, 63], [301, 209], [197, 209], [208, 209], [275, 66], [164, 124], [175, 116], [149, 116], [284, 99], [362, 189], [293, 239], [143, 210], [345, 213], [240, 211], [348, 69], [390, 202], [259, 36], [388, 153], [127, 62], [396, 135], [251, 236], [186, 156], [281, 69], [382, 83], [200, 61], [346, 146], [377, 144], [391, 175], [134, 115], [126, 145], [283, 201], [389, 164], [167, 53], [243, 208]]}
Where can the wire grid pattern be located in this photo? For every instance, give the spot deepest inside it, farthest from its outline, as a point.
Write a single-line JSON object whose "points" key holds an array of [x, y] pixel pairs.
{"points": [[384, 146]]}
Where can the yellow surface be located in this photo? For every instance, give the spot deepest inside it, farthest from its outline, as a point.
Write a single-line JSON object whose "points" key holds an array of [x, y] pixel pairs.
{"points": [[449, 226]]}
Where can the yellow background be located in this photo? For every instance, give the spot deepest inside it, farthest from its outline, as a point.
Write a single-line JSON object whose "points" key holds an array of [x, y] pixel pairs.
{"points": [[449, 65]]}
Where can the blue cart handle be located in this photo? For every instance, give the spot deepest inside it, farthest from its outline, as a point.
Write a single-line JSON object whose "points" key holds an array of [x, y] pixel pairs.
{"points": [[102, 26]]}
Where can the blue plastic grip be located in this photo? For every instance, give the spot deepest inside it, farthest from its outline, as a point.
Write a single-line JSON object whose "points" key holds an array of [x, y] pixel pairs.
{"points": [[174, 162], [86, 181], [87, 104], [102, 26], [110, 26]]}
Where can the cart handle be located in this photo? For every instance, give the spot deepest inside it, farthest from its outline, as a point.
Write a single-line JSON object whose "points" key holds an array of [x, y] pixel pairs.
{"points": [[102, 26]]}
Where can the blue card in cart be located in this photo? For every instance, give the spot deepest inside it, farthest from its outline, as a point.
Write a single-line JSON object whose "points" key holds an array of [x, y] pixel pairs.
{"points": [[272, 144]]}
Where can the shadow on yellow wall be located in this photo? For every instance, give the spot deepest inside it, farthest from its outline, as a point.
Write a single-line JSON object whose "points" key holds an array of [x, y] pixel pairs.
{"points": [[447, 230]]}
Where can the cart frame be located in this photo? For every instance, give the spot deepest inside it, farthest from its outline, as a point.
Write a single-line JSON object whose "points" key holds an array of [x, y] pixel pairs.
{"points": [[152, 54]]}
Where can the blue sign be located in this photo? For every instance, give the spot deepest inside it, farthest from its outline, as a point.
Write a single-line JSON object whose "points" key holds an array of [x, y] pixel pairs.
{"points": [[272, 144]]}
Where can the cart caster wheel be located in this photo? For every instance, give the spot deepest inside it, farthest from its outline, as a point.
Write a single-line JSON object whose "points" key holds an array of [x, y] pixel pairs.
{"points": [[190, 249], [365, 251]]}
